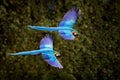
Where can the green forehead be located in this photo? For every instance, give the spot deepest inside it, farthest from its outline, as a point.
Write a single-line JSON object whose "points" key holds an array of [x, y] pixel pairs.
{"points": [[74, 31], [56, 52]]}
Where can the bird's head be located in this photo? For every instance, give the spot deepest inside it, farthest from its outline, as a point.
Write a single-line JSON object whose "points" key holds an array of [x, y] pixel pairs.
{"points": [[57, 54], [75, 34]]}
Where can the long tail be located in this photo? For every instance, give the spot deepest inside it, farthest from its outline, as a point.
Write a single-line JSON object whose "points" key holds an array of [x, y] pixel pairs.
{"points": [[49, 28], [43, 28], [33, 52]]}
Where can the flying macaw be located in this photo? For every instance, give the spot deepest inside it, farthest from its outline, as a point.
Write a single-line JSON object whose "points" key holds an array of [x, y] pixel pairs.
{"points": [[46, 49], [65, 28]]}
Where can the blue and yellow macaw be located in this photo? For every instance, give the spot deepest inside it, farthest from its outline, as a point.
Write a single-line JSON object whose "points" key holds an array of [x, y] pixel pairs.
{"points": [[46, 49], [65, 28]]}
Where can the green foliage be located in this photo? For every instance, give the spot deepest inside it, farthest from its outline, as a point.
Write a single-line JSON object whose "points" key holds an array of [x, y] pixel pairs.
{"points": [[95, 56]]}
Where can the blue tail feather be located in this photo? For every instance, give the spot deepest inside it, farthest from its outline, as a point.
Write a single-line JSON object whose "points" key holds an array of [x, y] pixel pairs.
{"points": [[43, 28], [50, 28], [33, 52]]}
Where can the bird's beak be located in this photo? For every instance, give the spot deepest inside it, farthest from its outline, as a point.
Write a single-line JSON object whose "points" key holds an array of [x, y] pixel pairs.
{"points": [[76, 38]]}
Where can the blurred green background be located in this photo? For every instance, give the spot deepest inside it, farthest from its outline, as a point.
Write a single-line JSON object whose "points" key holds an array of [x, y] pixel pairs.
{"points": [[95, 56]]}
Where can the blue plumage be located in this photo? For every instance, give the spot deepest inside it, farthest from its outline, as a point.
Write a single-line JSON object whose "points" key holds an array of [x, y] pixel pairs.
{"points": [[46, 49], [69, 18], [65, 27], [46, 42]]}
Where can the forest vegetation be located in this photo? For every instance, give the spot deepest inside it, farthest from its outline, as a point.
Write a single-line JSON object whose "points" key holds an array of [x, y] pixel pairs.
{"points": [[95, 56]]}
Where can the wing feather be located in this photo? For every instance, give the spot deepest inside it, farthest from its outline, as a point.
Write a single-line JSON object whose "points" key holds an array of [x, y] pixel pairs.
{"points": [[69, 18], [46, 42], [52, 60]]}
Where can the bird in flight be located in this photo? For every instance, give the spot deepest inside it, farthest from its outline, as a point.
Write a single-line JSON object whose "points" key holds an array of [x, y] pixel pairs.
{"points": [[46, 49], [65, 27]]}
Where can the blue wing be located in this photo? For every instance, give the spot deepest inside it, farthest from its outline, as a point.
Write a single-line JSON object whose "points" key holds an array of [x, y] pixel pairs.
{"points": [[69, 18], [49, 28], [49, 57], [46, 42], [33, 52], [52, 60], [66, 34]]}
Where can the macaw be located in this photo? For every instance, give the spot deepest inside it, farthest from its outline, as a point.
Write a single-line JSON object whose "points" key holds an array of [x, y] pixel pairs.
{"points": [[46, 49], [65, 28]]}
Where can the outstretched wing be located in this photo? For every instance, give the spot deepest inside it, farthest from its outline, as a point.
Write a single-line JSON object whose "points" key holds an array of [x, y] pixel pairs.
{"points": [[52, 60], [46, 42], [69, 18], [66, 34], [33, 52]]}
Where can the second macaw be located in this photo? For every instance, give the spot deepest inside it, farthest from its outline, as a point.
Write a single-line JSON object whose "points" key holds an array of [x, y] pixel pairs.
{"points": [[65, 28], [46, 49]]}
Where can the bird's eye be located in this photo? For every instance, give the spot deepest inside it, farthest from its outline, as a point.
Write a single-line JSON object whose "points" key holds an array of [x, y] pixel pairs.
{"points": [[75, 34]]}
